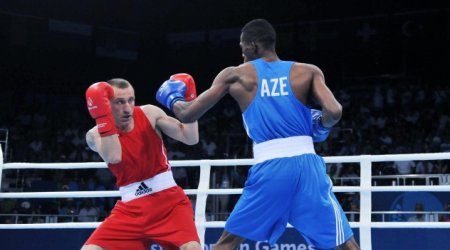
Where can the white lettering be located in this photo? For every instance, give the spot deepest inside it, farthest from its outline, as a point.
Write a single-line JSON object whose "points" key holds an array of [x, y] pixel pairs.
{"points": [[264, 88], [302, 247], [283, 85], [264, 246], [274, 87], [277, 88], [287, 246], [261, 245], [244, 246]]}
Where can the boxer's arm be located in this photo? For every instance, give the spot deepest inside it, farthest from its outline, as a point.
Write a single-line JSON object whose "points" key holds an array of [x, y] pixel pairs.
{"points": [[108, 148], [319, 132], [331, 108], [193, 110], [91, 140], [183, 132], [98, 97]]}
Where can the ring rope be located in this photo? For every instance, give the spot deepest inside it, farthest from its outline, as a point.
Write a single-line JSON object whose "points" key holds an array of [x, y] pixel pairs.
{"points": [[365, 225]]}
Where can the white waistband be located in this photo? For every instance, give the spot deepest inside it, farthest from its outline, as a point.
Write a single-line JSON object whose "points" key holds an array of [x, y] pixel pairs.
{"points": [[152, 185], [283, 147]]}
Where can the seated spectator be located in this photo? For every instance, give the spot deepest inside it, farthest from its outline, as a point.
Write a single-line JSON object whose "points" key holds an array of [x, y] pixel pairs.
{"points": [[87, 213], [209, 148], [403, 167], [424, 167], [419, 216], [66, 210], [25, 207], [350, 204], [333, 172]]}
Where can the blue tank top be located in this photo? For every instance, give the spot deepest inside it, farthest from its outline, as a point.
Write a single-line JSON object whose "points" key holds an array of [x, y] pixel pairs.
{"points": [[275, 112]]}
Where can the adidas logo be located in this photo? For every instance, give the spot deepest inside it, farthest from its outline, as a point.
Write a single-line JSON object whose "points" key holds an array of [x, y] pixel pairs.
{"points": [[142, 189]]}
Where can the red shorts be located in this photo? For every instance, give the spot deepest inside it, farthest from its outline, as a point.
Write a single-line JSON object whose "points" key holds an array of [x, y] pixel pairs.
{"points": [[165, 218]]}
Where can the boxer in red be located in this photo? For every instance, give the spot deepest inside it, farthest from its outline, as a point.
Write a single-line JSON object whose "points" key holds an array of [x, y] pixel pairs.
{"points": [[152, 209]]}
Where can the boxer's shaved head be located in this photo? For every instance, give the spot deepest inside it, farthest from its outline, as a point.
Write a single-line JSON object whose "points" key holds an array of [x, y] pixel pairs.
{"points": [[119, 83]]}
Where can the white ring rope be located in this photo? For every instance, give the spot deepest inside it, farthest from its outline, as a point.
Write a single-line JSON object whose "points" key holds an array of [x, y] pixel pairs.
{"points": [[365, 225], [85, 194]]}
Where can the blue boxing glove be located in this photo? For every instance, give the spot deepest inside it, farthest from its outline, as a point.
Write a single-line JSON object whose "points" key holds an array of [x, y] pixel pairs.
{"points": [[319, 132], [170, 92]]}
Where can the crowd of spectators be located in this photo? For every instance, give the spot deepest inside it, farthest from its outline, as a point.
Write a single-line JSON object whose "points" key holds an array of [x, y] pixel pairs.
{"points": [[387, 117]]}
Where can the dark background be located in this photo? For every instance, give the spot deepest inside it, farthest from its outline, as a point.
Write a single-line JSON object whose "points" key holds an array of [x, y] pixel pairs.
{"points": [[70, 44], [51, 51]]}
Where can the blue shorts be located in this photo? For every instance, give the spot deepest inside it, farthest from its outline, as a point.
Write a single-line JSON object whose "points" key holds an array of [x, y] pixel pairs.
{"points": [[290, 189]]}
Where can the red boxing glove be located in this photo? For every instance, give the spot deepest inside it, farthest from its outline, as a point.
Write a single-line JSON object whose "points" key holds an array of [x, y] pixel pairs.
{"points": [[97, 99], [191, 91]]}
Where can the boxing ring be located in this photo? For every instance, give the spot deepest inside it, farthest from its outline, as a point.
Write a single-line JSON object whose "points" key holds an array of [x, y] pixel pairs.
{"points": [[364, 226]]}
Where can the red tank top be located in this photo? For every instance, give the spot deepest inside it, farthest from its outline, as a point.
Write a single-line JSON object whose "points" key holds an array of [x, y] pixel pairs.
{"points": [[143, 152]]}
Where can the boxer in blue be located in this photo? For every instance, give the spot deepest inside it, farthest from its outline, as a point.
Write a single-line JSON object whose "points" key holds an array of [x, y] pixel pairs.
{"points": [[288, 183]]}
